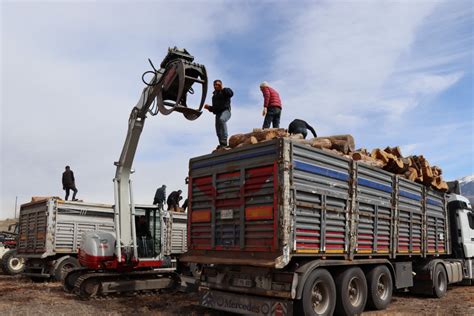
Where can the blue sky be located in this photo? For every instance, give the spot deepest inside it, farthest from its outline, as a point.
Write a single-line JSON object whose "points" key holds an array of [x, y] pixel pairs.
{"points": [[387, 72]]}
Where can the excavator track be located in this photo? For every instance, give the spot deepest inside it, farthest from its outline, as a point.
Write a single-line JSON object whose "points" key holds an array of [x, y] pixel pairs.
{"points": [[103, 284]]}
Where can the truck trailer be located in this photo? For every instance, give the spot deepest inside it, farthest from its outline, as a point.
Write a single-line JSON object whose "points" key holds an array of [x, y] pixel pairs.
{"points": [[281, 227], [50, 232]]}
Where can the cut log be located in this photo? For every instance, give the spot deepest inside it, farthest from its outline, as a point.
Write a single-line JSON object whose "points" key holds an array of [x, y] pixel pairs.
{"points": [[237, 139], [346, 138], [363, 151], [411, 174], [340, 145], [269, 133], [394, 165], [371, 162], [320, 143], [394, 151], [381, 155], [358, 155], [437, 171], [248, 141]]}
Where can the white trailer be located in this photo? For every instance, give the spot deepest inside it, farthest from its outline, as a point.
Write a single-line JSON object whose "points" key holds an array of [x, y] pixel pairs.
{"points": [[50, 232]]}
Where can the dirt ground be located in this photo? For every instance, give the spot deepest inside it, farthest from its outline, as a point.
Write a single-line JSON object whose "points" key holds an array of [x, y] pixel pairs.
{"points": [[20, 296]]}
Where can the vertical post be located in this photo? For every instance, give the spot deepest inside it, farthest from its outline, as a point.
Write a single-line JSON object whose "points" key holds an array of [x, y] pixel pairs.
{"points": [[132, 221], [242, 208], [118, 250], [16, 204], [213, 212]]}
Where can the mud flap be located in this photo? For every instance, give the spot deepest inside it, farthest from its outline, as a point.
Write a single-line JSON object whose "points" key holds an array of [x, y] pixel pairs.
{"points": [[244, 304]]}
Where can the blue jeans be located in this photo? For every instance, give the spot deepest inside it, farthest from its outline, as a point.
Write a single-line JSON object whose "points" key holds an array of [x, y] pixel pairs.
{"points": [[272, 117], [221, 127]]}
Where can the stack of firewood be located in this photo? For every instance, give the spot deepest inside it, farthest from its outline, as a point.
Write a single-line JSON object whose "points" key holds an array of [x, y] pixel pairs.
{"points": [[415, 168]]}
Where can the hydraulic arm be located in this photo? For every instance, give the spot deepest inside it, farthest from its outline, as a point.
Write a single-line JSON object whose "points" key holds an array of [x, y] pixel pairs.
{"points": [[165, 93]]}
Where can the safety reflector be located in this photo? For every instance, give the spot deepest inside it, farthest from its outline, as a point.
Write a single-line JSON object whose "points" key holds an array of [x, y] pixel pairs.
{"points": [[259, 212], [200, 216]]}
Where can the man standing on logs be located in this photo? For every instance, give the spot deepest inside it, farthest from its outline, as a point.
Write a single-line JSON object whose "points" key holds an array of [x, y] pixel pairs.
{"points": [[221, 108], [298, 126], [271, 106]]}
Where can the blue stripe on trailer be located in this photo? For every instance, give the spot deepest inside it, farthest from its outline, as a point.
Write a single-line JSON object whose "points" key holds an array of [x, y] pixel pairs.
{"points": [[207, 163], [374, 185], [321, 171], [410, 195], [433, 202]]}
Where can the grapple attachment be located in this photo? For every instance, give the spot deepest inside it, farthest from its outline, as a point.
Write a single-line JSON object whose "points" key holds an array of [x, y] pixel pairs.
{"points": [[180, 74]]}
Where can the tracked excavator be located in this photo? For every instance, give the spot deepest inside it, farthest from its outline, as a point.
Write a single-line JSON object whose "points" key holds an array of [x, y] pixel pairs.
{"points": [[133, 258]]}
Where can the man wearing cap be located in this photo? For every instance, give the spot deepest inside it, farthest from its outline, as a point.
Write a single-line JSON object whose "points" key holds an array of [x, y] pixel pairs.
{"points": [[271, 106]]}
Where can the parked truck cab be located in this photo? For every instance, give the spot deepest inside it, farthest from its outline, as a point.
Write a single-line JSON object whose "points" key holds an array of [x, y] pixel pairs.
{"points": [[282, 228]]}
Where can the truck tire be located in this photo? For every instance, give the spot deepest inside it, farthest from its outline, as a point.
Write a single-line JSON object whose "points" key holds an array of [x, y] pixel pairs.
{"points": [[64, 267], [440, 281], [11, 264], [351, 291], [319, 294], [380, 287]]}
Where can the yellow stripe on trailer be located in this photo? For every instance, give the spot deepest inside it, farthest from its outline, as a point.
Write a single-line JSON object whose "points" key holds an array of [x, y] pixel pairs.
{"points": [[307, 251]]}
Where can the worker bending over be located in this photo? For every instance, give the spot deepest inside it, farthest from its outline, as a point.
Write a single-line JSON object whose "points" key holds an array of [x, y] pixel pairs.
{"points": [[173, 200], [300, 127]]}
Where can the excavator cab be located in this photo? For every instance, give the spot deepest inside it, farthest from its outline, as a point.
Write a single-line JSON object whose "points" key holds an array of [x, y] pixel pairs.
{"points": [[148, 231], [180, 74]]}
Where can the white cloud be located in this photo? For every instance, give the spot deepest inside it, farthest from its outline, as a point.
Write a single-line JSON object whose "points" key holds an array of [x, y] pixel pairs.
{"points": [[71, 74]]}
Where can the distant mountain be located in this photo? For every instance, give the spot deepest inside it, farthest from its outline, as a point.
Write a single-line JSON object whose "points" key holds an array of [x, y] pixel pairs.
{"points": [[467, 187]]}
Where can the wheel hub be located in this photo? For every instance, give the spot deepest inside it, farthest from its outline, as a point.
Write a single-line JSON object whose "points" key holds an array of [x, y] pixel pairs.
{"points": [[382, 286], [354, 291], [319, 298]]}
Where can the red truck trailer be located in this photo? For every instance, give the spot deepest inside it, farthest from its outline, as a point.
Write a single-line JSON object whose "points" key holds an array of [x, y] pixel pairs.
{"points": [[281, 227]]}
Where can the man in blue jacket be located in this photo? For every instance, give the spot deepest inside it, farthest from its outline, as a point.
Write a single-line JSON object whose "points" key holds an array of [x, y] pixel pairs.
{"points": [[221, 108]]}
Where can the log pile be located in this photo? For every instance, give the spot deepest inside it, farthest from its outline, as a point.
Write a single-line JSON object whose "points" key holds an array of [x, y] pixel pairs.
{"points": [[414, 168]]}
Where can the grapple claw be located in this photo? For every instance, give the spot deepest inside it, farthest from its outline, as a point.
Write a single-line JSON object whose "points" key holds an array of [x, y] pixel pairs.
{"points": [[178, 79]]}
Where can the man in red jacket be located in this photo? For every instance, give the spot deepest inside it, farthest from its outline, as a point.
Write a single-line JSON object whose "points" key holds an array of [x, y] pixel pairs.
{"points": [[271, 106]]}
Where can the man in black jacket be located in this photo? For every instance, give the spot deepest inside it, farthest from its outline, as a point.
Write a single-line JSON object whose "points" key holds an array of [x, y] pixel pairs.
{"points": [[69, 183], [300, 127], [221, 108], [173, 200], [160, 196]]}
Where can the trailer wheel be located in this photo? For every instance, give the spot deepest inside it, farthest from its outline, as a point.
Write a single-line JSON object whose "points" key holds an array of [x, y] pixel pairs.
{"points": [[64, 267], [351, 288], [319, 294], [11, 264], [440, 281], [380, 286]]}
